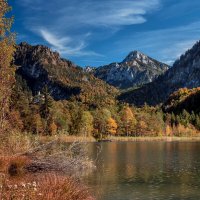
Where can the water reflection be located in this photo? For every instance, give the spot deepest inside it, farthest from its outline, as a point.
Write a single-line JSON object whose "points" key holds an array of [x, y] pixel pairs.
{"points": [[146, 170]]}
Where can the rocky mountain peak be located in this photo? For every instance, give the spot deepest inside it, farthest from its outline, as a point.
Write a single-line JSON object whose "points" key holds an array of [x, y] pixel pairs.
{"points": [[38, 51], [136, 55], [135, 70]]}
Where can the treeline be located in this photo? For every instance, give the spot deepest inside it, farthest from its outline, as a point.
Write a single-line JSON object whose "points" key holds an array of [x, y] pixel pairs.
{"points": [[40, 114], [183, 124]]}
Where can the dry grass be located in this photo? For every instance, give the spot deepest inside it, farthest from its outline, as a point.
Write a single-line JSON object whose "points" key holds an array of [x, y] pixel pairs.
{"points": [[35, 170], [42, 187], [157, 138], [66, 138], [15, 143], [14, 165]]}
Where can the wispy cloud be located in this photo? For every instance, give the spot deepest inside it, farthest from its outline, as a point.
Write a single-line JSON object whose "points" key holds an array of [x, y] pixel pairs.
{"points": [[65, 45], [69, 24], [94, 13]]}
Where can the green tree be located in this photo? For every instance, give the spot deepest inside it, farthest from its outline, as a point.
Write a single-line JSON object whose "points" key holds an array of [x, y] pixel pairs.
{"points": [[197, 122], [173, 119], [86, 124], [62, 117], [185, 118], [46, 109], [101, 117]]}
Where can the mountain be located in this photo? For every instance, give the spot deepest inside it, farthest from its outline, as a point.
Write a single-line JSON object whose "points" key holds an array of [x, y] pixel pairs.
{"points": [[184, 73], [39, 67], [135, 70]]}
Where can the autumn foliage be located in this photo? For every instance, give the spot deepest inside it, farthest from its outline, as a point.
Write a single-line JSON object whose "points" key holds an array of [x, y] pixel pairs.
{"points": [[6, 57]]}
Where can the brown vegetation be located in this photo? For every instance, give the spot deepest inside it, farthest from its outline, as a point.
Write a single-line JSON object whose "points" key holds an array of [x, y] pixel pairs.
{"points": [[44, 172], [42, 187]]}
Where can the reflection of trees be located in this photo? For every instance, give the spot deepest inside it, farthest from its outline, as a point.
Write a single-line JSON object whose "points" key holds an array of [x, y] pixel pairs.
{"points": [[159, 167]]}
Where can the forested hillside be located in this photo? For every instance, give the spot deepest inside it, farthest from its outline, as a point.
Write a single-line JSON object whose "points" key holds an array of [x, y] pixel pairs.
{"points": [[39, 67], [184, 73]]}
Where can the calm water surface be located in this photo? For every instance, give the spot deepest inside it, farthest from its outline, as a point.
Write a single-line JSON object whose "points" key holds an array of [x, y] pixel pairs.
{"points": [[145, 170]]}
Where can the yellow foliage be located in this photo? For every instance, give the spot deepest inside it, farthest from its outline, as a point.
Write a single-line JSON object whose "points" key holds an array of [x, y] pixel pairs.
{"points": [[142, 125], [168, 131], [112, 126], [128, 119]]}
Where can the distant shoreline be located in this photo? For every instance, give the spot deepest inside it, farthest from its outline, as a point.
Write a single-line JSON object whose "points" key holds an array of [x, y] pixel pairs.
{"points": [[66, 138], [159, 138]]}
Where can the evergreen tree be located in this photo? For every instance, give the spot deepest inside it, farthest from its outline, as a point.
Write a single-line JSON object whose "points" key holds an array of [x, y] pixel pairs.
{"points": [[197, 122], [46, 108], [173, 119]]}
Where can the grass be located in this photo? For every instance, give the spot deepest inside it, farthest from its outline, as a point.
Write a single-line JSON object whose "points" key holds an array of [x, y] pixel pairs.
{"points": [[33, 168], [156, 138], [42, 187], [67, 138]]}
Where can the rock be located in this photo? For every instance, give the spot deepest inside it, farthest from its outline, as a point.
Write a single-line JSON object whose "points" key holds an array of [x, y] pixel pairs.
{"points": [[135, 70]]}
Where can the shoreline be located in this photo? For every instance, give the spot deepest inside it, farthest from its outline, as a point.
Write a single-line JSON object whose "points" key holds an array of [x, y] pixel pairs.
{"points": [[66, 138], [155, 139]]}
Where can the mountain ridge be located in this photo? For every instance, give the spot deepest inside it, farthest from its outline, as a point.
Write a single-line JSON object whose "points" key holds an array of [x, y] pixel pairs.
{"points": [[135, 70], [184, 73], [39, 66]]}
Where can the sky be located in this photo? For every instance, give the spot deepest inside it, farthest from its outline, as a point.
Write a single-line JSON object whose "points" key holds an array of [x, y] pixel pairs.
{"points": [[99, 32]]}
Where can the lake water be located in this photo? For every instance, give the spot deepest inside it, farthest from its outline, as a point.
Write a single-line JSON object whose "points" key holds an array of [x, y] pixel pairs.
{"points": [[145, 170]]}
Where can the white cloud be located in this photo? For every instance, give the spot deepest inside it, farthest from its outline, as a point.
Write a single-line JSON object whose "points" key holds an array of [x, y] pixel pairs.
{"points": [[69, 24], [93, 12], [64, 45]]}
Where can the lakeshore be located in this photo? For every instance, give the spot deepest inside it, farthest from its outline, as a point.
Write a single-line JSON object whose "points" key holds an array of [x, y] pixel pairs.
{"points": [[66, 138]]}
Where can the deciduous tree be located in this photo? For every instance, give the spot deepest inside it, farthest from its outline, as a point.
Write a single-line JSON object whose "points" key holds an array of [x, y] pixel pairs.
{"points": [[128, 120], [86, 123], [111, 126], [6, 57]]}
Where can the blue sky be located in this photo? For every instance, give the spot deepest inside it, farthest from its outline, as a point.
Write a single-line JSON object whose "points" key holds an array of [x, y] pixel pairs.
{"points": [[98, 32]]}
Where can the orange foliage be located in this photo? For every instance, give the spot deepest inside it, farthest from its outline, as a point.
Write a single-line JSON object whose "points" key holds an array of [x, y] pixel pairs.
{"points": [[112, 126]]}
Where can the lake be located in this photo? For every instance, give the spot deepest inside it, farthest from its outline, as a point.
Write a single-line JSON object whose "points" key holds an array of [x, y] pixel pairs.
{"points": [[145, 170]]}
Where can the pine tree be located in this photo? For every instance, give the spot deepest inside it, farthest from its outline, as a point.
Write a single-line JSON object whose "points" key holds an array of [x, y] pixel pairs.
{"points": [[45, 109], [197, 122], [47, 103], [173, 119]]}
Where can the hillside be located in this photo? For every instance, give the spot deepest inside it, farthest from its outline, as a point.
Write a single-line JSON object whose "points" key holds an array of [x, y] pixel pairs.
{"points": [[184, 73], [183, 99], [39, 67], [135, 70]]}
